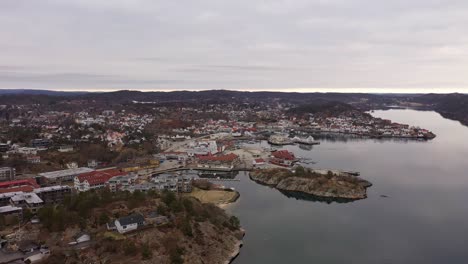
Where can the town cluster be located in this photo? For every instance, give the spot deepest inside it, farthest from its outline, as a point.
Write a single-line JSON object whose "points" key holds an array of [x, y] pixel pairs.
{"points": [[49, 153], [368, 126]]}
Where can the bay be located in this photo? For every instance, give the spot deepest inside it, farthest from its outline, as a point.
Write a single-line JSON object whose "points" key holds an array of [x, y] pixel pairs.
{"points": [[416, 210]]}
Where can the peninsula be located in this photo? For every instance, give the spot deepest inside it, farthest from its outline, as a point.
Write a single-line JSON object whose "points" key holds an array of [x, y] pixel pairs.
{"points": [[306, 181]]}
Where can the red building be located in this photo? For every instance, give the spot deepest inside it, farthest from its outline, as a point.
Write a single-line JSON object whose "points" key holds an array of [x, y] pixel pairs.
{"points": [[27, 185], [218, 162], [95, 179], [283, 158]]}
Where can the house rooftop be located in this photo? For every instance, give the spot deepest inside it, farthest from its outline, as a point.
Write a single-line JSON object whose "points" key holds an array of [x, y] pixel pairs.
{"points": [[51, 188], [25, 188], [225, 158], [9, 208], [65, 173], [30, 198], [283, 154], [17, 183], [99, 177], [131, 219], [9, 195]]}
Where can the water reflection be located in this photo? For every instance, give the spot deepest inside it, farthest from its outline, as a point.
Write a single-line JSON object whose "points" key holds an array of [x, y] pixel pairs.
{"points": [[339, 137], [313, 198], [306, 147], [217, 175]]}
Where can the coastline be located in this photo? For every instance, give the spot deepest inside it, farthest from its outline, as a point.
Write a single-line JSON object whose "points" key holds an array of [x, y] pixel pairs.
{"points": [[233, 200], [237, 247]]}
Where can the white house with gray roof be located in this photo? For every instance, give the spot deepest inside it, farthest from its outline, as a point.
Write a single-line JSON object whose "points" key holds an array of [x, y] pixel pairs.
{"points": [[129, 223]]}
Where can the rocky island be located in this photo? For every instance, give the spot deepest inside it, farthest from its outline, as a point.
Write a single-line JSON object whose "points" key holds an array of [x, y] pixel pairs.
{"points": [[309, 182]]}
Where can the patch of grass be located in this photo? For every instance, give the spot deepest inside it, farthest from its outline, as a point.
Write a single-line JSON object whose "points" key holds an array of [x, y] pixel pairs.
{"points": [[213, 196], [113, 236]]}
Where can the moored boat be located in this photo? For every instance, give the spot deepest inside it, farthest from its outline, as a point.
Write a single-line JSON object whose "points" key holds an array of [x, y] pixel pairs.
{"points": [[306, 141]]}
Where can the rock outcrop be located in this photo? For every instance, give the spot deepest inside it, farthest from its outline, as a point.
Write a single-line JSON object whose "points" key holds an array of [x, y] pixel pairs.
{"points": [[321, 185]]}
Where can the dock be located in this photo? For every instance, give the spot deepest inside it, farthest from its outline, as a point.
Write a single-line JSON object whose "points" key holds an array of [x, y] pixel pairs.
{"points": [[220, 179], [336, 172]]}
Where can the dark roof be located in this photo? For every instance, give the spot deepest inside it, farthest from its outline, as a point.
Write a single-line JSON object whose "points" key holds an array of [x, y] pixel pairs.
{"points": [[131, 219]]}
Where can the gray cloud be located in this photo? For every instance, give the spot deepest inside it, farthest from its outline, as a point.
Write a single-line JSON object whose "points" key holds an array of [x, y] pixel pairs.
{"points": [[72, 80], [244, 44]]}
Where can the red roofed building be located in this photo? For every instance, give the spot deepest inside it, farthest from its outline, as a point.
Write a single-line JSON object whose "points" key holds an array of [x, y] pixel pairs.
{"points": [[95, 179], [283, 158], [218, 162], [24, 188], [26, 185], [258, 162]]}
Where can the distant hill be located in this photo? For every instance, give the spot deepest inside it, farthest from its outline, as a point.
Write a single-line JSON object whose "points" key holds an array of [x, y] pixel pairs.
{"points": [[215, 96], [332, 108], [452, 106], [220, 96]]}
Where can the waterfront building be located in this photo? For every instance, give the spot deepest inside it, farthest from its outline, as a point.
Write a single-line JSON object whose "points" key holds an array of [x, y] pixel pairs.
{"points": [[283, 158], [223, 162]]}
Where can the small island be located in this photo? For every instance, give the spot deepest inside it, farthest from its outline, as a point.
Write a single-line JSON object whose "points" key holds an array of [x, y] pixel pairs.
{"points": [[315, 183]]}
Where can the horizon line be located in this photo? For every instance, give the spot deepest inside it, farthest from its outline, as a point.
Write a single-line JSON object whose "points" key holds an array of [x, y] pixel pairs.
{"points": [[279, 90]]}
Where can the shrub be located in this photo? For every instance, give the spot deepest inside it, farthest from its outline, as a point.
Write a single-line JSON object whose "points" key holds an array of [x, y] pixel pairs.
{"points": [[146, 252], [176, 256], [103, 218], [187, 227], [234, 222], [130, 248], [168, 197]]}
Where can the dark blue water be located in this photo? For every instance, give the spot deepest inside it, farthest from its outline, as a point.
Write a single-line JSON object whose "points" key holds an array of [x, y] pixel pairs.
{"points": [[424, 219]]}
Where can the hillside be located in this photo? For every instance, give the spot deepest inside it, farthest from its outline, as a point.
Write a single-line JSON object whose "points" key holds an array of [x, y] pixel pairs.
{"points": [[192, 232], [214, 96], [333, 108], [452, 106]]}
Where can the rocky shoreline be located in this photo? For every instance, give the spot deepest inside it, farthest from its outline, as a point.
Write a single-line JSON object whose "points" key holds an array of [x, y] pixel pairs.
{"points": [[327, 185], [237, 248]]}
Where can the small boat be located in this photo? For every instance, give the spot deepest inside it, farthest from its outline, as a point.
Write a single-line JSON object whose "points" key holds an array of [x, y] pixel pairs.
{"points": [[306, 141]]}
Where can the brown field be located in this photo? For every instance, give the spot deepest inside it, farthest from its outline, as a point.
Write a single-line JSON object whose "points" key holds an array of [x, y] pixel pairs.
{"points": [[213, 196]]}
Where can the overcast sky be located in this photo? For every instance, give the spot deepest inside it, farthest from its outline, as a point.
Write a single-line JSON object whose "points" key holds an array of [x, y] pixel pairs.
{"points": [[300, 45]]}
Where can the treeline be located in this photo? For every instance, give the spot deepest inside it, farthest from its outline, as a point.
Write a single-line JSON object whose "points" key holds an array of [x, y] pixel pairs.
{"points": [[78, 209], [81, 210], [328, 108]]}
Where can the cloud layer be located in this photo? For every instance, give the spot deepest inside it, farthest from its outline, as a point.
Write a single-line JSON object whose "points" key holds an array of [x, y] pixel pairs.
{"points": [[398, 45]]}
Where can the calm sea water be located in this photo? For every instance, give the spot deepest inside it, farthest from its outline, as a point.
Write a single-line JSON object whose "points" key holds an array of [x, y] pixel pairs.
{"points": [[424, 219]]}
